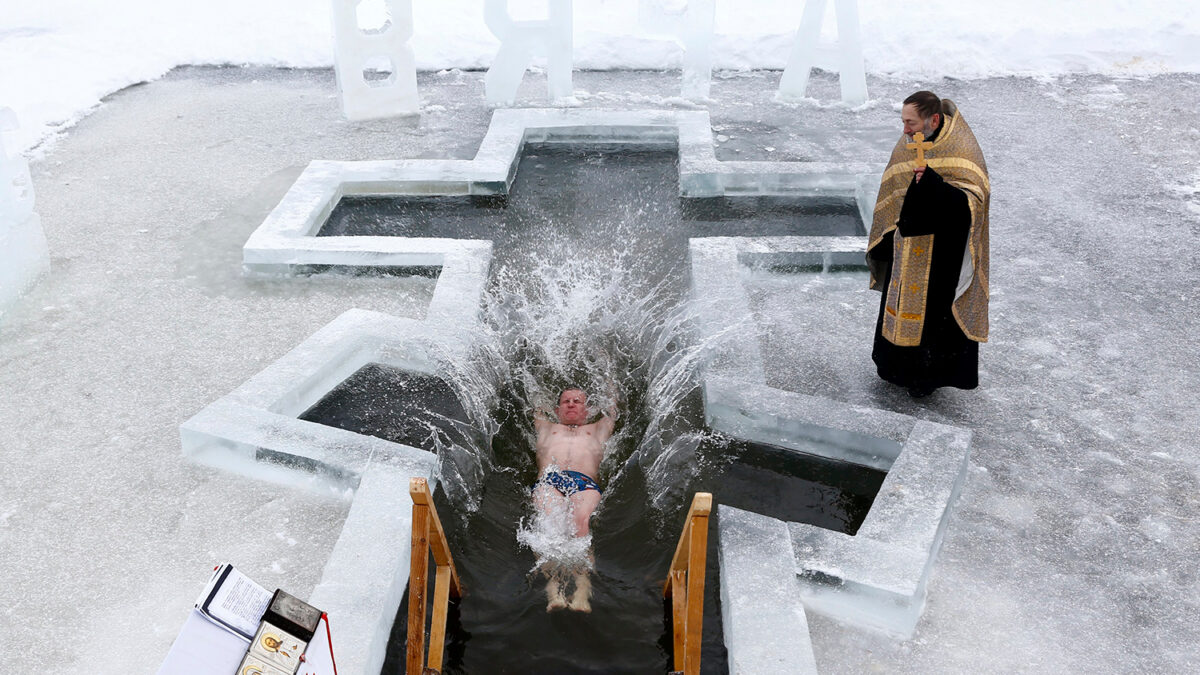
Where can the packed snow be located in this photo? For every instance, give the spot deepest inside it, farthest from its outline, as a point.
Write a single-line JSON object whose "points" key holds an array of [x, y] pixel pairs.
{"points": [[62, 57]]}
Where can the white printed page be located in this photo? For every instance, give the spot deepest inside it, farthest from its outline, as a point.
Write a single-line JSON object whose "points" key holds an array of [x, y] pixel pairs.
{"points": [[239, 602]]}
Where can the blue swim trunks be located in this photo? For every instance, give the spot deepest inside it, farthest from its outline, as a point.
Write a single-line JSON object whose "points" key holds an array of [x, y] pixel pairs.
{"points": [[567, 482]]}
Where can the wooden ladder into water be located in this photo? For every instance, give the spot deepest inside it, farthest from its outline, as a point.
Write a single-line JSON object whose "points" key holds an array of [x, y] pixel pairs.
{"points": [[685, 585], [427, 535]]}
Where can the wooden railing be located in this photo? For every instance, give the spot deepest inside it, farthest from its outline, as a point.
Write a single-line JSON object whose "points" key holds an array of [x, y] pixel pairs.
{"points": [[427, 534], [685, 585]]}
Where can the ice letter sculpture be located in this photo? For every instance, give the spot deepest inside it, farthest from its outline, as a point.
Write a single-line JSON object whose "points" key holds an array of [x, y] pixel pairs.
{"points": [[520, 41], [376, 72], [691, 25], [23, 252], [851, 72]]}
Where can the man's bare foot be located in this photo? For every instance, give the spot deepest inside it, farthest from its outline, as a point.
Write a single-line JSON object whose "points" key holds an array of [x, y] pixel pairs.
{"points": [[554, 596], [581, 598]]}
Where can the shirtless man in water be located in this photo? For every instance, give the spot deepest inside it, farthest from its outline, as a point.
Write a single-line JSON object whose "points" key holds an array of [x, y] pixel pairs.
{"points": [[571, 449]]}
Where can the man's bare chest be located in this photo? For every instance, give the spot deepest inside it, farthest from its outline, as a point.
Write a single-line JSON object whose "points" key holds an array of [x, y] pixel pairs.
{"points": [[573, 438]]}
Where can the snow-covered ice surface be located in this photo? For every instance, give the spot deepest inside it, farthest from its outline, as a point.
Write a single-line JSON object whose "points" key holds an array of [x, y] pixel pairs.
{"points": [[1071, 548]]}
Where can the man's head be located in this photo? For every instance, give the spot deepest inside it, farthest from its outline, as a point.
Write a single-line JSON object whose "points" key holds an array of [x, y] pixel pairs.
{"points": [[572, 406], [921, 112]]}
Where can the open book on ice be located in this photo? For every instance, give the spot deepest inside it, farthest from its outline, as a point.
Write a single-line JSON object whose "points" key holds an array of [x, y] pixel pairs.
{"points": [[234, 601], [219, 629]]}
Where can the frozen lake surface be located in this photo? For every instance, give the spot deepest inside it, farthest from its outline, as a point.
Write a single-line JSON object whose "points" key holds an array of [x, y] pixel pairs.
{"points": [[1071, 548]]}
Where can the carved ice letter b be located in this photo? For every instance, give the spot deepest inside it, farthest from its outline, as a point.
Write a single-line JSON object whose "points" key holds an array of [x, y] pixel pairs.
{"points": [[376, 71]]}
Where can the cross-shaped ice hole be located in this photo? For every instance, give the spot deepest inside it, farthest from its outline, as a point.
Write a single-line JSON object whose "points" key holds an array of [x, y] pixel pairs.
{"points": [[245, 424]]}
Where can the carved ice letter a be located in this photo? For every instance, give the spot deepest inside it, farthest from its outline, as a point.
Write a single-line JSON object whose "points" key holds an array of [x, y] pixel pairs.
{"points": [[851, 72]]}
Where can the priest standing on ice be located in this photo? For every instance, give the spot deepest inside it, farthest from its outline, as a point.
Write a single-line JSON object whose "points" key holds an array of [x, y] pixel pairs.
{"points": [[928, 252]]}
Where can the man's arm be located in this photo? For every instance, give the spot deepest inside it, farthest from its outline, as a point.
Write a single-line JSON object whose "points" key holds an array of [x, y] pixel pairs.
{"points": [[608, 422], [541, 419], [931, 206]]}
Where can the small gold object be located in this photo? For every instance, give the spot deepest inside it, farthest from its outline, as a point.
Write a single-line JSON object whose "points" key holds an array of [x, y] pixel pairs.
{"points": [[920, 145]]}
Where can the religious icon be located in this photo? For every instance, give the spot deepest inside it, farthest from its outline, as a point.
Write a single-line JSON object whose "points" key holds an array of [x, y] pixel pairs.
{"points": [[272, 643]]}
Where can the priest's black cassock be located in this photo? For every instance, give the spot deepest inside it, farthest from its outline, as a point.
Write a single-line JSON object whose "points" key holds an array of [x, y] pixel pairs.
{"points": [[945, 356]]}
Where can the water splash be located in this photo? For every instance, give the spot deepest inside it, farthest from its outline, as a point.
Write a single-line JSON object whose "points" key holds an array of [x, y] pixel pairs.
{"points": [[550, 534], [612, 320]]}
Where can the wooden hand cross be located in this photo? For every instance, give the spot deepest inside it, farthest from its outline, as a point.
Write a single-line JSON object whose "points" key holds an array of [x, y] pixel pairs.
{"points": [[920, 145]]}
